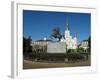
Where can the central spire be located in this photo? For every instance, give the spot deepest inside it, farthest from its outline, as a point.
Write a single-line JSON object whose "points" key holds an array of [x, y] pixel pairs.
{"points": [[67, 25]]}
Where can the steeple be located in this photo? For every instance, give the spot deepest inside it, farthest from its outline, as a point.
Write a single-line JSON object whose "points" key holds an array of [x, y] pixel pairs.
{"points": [[67, 31], [67, 24]]}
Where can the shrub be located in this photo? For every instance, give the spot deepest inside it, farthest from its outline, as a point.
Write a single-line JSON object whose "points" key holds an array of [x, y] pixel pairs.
{"points": [[75, 56]]}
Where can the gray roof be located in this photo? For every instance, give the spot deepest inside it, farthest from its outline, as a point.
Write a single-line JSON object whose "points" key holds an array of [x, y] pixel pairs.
{"points": [[44, 40]]}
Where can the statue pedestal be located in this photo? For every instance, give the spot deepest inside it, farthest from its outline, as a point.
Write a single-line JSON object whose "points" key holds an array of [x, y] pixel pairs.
{"points": [[57, 47]]}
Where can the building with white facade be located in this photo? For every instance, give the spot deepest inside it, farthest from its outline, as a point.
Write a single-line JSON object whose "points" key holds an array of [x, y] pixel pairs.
{"points": [[84, 44], [71, 42]]}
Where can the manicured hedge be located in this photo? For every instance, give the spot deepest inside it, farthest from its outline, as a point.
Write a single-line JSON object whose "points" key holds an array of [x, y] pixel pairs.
{"points": [[49, 56], [57, 56], [75, 56]]}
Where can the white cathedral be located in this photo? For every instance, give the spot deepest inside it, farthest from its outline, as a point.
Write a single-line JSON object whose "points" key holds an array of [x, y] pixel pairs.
{"points": [[71, 42]]}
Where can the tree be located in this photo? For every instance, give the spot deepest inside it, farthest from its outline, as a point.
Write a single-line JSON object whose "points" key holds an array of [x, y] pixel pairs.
{"points": [[80, 50], [29, 41], [24, 44], [56, 33], [27, 44]]}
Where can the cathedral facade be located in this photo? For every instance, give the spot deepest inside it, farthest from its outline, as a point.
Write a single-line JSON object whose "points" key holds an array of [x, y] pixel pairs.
{"points": [[71, 42]]}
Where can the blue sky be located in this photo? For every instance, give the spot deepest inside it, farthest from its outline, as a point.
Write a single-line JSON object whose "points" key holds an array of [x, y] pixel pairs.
{"points": [[39, 24]]}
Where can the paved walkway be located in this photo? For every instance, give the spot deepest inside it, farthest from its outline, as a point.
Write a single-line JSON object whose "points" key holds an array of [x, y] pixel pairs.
{"points": [[33, 65]]}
